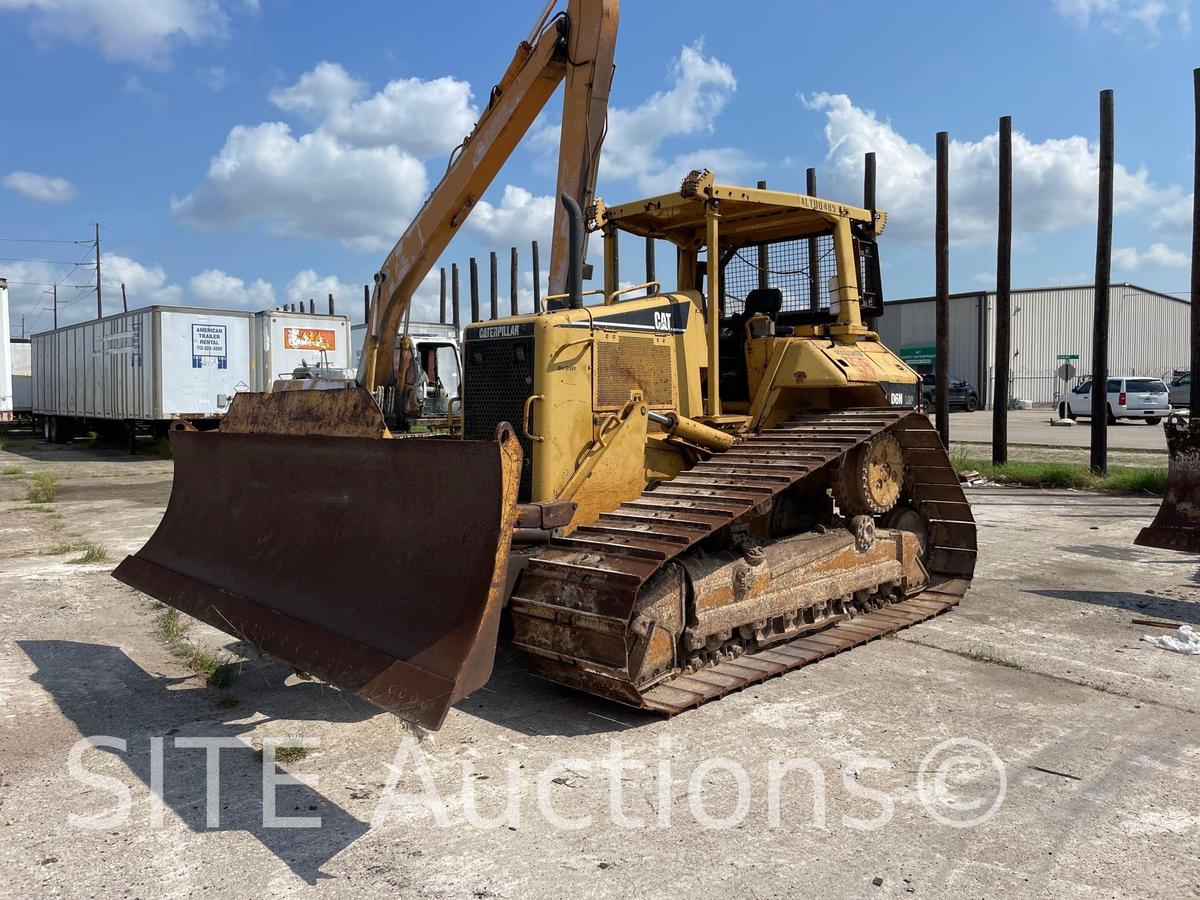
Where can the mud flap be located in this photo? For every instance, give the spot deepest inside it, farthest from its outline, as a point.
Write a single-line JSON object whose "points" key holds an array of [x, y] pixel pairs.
{"points": [[1176, 526], [376, 564]]}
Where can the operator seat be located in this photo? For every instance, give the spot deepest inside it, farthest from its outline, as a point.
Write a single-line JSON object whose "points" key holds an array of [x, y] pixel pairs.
{"points": [[734, 381]]}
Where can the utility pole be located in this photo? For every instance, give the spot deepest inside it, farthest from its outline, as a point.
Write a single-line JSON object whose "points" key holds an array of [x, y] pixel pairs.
{"points": [[1104, 226], [1003, 355], [99, 306], [1194, 320], [124, 302], [941, 363]]}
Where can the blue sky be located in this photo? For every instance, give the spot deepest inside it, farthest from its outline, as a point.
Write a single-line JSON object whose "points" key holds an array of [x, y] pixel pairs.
{"points": [[241, 153]]}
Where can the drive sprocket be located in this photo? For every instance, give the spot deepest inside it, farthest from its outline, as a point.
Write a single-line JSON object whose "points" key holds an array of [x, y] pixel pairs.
{"points": [[870, 477]]}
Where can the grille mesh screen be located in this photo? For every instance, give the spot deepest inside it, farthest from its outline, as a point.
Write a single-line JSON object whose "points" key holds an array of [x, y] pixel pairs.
{"points": [[789, 268], [634, 363], [499, 377]]}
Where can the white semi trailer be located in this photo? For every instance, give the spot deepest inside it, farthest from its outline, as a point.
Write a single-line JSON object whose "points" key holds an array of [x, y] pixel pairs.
{"points": [[146, 367]]}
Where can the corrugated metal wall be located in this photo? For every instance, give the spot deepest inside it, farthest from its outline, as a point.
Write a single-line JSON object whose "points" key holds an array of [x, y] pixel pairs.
{"points": [[909, 324], [1148, 335]]}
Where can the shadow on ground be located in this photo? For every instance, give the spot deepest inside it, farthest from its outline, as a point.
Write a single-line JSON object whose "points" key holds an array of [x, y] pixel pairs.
{"points": [[514, 698], [101, 690], [1149, 606]]}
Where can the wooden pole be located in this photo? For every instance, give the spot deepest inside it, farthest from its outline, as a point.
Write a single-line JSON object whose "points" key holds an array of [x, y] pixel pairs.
{"points": [[454, 297], [1194, 402], [649, 262], [1003, 354], [494, 285], [367, 306], [124, 302], [537, 279], [99, 305], [512, 282], [1104, 225], [814, 260], [331, 304], [764, 256], [56, 307], [474, 290], [941, 366], [442, 296]]}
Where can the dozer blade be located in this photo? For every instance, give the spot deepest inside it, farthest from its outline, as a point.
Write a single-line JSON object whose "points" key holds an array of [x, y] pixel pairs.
{"points": [[1176, 526], [376, 564]]}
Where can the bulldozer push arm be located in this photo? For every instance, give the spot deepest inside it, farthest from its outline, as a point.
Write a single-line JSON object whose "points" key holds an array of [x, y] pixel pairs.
{"points": [[576, 45]]}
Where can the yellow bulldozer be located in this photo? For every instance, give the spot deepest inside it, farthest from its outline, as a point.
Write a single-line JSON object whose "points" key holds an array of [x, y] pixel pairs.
{"points": [[669, 494]]}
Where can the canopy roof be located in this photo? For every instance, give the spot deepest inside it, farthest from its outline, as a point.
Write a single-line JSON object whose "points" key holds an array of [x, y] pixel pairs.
{"points": [[747, 215]]}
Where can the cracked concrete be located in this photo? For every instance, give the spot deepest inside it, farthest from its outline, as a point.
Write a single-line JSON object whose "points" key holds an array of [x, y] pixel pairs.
{"points": [[1096, 733]]}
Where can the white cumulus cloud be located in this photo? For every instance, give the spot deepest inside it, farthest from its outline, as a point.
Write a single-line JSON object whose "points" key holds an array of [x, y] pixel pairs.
{"points": [[43, 188], [1157, 255], [1144, 17], [311, 185], [700, 87], [1054, 181], [357, 176], [216, 288], [144, 285], [519, 217], [421, 117], [124, 30]]}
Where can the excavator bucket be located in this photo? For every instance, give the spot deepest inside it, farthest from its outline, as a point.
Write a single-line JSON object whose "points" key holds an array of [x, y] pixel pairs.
{"points": [[1177, 524], [376, 564]]}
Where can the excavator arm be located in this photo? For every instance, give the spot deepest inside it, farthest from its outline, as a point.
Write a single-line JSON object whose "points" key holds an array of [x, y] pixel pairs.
{"points": [[576, 45]]}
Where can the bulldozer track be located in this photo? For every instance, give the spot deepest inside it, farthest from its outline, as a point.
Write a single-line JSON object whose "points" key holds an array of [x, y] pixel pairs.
{"points": [[573, 605]]}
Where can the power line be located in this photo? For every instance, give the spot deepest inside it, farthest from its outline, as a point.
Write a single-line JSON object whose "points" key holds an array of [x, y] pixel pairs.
{"points": [[62, 262], [41, 241]]}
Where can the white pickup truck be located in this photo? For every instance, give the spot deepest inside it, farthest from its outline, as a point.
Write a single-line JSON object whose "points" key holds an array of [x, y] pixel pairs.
{"points": [[1128, 398]]}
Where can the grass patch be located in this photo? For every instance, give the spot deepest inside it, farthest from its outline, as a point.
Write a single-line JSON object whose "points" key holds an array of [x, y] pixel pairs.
{"points": [[159, 447], [216, 667], [92, 553], [287, 753], [227, 701], [170, 626], [12, 471], [1120, 479], [43, 487], [984, 656]]}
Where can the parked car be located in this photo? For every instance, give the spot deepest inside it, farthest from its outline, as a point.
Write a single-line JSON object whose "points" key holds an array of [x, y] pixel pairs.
{"points": [[963, 394], [1128, 398], [1181, 390]]}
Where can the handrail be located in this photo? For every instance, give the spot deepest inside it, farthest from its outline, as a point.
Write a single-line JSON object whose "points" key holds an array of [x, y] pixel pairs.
{"points": [[611, 298], [542, 304]]}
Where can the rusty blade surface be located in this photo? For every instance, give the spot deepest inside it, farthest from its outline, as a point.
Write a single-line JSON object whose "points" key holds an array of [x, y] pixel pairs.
{"points": [[375, 564], [1176, 526]]}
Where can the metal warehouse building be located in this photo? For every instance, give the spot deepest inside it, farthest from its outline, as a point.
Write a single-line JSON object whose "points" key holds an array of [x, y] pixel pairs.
{"points": [[1148, 335]]}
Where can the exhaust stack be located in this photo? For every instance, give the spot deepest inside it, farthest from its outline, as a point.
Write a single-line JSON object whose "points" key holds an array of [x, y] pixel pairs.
{"points": [[575, 236]]}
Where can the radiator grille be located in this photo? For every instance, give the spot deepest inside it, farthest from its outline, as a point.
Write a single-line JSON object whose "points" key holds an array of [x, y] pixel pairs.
{"points": [[634, 363], [498, 379]]}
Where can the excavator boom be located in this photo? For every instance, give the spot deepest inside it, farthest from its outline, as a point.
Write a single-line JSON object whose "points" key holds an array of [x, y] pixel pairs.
{"points": [[576, 46]]}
